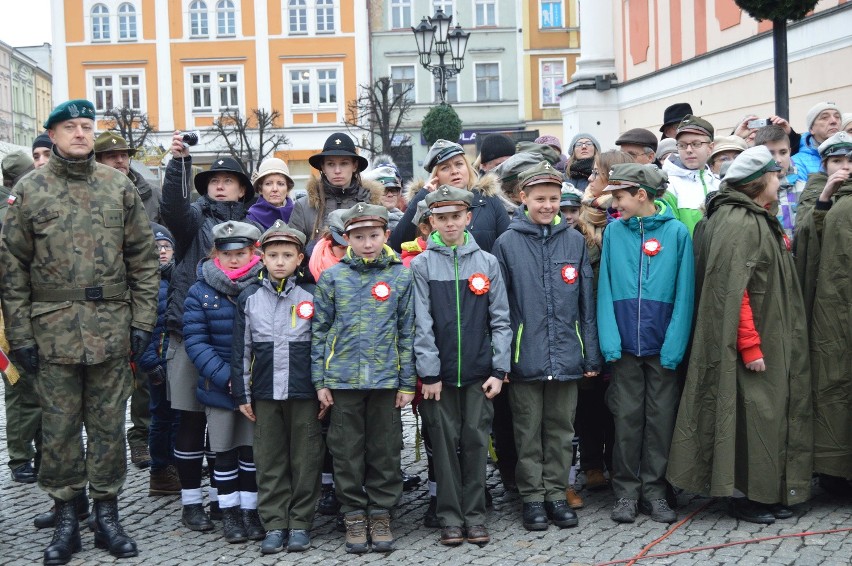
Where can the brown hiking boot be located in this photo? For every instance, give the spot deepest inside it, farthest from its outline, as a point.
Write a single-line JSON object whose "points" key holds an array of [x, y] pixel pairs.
{"points": [[595, 480], [164, 482], [140, 457], [356, 532], [574, 500], [380, 531]]}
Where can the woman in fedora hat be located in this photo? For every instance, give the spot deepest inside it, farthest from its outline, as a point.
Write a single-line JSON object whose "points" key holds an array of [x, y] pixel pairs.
{"points": [[273, 184], [339, 187]]}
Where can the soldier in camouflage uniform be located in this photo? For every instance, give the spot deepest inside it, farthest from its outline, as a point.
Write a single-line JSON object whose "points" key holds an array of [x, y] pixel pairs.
{"points": [[78, 273]]}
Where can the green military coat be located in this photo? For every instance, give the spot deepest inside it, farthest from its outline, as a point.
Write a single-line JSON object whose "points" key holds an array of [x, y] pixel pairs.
{"points": [[75, 225], [736, 428]]}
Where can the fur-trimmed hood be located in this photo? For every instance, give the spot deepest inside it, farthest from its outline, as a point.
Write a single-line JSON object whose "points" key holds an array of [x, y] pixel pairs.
{"points": [[316, 191]]}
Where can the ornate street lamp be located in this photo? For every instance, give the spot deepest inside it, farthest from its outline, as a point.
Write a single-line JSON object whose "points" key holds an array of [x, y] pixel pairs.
{"points": [[436, 32]]}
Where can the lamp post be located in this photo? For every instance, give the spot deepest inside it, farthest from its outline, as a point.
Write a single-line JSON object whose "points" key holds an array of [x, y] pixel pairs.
{"points": [[435, 31]]}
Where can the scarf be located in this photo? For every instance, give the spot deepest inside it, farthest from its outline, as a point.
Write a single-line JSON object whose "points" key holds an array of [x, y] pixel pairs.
{"points": [[266, 214], [234, 274], [322, 258], [581, 168]]}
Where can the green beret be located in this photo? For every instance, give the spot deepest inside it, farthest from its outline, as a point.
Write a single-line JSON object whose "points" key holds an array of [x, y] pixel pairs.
{"points": [[235, 235], [77, 108], [648, 177], [111, 141], [540, 174], [364, 215], [447, 198], [280, 232], [695, 125]]}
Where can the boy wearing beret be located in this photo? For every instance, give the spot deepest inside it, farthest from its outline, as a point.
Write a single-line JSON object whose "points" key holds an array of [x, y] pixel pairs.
{"points": [[645, 302], [363, 372], [541, 256], [462, 354]]}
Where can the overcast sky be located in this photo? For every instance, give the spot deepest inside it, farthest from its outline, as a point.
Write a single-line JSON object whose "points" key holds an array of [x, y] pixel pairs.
{"points": [[25, 22]]}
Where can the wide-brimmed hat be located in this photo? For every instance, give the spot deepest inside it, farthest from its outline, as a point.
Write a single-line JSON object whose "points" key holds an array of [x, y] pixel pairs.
{"points": [[675, 113], [338, 145], [110, 141], [224, 165], [728, 143], [270, 166]]}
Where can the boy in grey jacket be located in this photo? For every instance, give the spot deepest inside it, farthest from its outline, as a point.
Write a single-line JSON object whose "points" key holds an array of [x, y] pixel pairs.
{"points": [[549, 282], [461, 349]]}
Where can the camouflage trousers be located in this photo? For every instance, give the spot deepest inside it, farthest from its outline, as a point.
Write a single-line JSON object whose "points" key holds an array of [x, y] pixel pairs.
{"points": [[23, 420], [73, 396]]}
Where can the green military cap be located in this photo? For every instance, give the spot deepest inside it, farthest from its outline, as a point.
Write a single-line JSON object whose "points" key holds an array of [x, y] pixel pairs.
{"points": [[695, 125], [447, 198], [235, 235], [78, 108], [280, 232], [111, 141], [364, 215], [570, 196], [16, 164], [440, 151], [422, 213], [542, 173], [648, 177], [335, 226], [751, 164], [838, 144]]}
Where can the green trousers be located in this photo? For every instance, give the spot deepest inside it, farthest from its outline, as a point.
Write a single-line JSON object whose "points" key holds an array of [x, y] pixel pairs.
{"points": [[288, 454], [458, 425], [23, 420], [643, 397], [140, 411], [543, 414], [364, 439], [74, 395]]}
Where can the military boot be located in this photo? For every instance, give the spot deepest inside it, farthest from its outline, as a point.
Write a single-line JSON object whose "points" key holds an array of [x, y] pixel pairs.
{"points": [[109, 533], [47, 520], [253, 526], [232, 525], [66, 534]]}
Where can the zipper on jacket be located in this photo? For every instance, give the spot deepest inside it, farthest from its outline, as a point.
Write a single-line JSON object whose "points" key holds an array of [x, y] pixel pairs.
{"points": [[331, 355], [458, 319], [639, 306], [580, 338], [292, 316], [518, 342]]}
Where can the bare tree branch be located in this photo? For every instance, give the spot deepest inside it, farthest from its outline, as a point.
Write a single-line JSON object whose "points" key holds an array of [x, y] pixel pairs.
{"points": [[251, 138], [377, 115], [131, 124]]}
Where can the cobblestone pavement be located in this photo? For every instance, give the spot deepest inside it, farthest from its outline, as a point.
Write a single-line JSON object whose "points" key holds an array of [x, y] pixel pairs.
{"points": [[155, 525]]}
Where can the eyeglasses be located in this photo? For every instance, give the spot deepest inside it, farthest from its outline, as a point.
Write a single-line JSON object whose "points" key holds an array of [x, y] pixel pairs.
{"points": [[165, 247], [584, 144], [694, 145]]}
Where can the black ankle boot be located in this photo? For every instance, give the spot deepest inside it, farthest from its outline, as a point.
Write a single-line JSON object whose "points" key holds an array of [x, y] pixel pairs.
{"points": [[47, 520], [66, 535], [232, 525], [252, 525], [108, 531], [534, 516]]}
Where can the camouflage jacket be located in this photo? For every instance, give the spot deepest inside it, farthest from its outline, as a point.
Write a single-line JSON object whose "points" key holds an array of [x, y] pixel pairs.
{"points": [[75, 225], [363, 325]]}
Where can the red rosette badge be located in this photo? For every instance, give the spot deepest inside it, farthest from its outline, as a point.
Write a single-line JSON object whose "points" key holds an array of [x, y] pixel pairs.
{"points": [[569, 274], [479, 283], [305, 310], [652, 247], [381, 291]]}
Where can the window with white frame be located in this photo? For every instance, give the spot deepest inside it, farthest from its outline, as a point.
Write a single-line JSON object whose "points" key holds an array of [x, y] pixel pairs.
{"points": [[313, 88], [201, 100], [327, 83], [198, 19], [551, 13], [445, 5], [452, 89], [485, 13], [402, 81], [400, 14], [130, 93], [552, 77], [213, 91], [126, 22], [487, 81], [100, 23], [119, 89], [102, 87], [297, 14], [225, 18], [325, 16], [300, 87], [228, 99]]}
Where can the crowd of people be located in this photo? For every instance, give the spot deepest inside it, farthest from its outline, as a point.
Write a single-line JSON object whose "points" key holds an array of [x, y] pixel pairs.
{"points": [[665, 315]]}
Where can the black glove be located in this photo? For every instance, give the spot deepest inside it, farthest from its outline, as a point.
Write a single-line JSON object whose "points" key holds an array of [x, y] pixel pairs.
{"points": [[27, 359], [157, 376], [139, 340]]}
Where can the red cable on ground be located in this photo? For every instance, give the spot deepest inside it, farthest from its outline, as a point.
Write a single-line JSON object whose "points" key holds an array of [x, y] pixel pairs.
{"points": [[652, 544]]}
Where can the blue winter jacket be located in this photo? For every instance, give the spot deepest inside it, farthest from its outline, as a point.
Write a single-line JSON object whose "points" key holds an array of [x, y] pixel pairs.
{"points": [[645, 301], [208, 330], [807, 159], [155, 354]]}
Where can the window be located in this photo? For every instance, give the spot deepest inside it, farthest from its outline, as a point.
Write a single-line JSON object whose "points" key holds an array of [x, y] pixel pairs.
{"points": [[313, 89], [325, 16], [552, 77], [100, 23], [198, 19], [300, 85], [116, 90], [402, 81], [452, 89], [228, 91], [225, 18], [485, 13], [126, 21], [445, 5], [103, 94], [201, 92], [487, 81], [298, 15], [327, 82], [130, 97], [400, 14], [551, 13]]}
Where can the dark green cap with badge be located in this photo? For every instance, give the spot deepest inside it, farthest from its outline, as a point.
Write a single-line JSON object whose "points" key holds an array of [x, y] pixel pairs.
{"points": [[77, 108], [570, 195], [447, 198], [364, 215], [280, 232], [440, 151], [838, 144], [111, 141], [751, 164], [542, 173], [648, 177], [234, 235], [695, 125]]}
